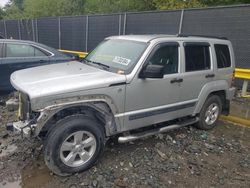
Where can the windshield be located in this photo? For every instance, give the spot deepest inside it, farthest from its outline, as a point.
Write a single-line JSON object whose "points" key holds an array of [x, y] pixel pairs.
{"points": [[118, 55]]}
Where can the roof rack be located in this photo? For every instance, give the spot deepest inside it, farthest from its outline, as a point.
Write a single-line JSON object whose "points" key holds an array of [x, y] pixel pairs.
{"points": [[215, 37]]}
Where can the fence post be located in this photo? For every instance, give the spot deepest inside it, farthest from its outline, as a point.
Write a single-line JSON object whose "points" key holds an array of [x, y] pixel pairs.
{"points": [[36, 31], [124, 23], [19, 29], [5, 29], [87, 33], [120, 20], [33, 30], [181, 21], [59, 32]]}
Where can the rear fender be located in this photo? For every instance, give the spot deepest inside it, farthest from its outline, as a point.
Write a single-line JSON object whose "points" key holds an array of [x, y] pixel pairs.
{"points": [[221, 85]]}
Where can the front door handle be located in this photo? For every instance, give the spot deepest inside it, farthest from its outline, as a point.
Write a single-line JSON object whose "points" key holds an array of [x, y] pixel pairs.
{"points": [[176, 80], [210, 75]]}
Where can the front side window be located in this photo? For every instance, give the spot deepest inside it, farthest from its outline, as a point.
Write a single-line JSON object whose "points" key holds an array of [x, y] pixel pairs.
{"points": [[118, 55], [166, 56], [222, 55], [197, 57], [22, 50]]}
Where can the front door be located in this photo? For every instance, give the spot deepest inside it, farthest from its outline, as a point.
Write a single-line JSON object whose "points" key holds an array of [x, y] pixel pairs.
{"points": [[150, 101]]}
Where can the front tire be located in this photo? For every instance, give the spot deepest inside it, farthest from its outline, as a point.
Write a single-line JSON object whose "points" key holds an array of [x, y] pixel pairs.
{"points": [[210, 113], [74, 145]]}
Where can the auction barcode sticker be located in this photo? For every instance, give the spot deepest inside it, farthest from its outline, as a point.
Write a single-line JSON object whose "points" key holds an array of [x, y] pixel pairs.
{"points": [[121, 60]]}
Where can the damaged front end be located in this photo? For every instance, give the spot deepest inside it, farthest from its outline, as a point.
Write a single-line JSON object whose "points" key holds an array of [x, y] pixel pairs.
{"points": [[27, 118]]}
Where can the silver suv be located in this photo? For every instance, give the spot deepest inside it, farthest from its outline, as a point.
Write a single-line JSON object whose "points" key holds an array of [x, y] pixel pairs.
{"points": [[126, 86]]}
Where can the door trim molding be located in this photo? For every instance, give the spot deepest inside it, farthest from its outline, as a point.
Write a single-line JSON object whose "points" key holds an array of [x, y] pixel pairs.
{"points": [[138, 114]]}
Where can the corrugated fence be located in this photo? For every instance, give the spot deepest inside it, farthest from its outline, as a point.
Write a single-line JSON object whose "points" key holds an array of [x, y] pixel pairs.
{"points": [[83, 33]]}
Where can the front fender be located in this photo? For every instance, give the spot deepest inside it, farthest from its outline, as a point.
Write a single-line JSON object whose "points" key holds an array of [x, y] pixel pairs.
{"points": [[47, 113]]}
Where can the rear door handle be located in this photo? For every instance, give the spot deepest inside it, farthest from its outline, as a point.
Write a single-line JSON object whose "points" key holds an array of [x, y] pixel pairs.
{"points": [[210, 75], [176, 80]]}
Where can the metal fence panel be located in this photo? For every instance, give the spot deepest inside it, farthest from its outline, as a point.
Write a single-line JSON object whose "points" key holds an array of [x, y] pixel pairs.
{"points": [[48, 31], [73, 35], [26, 29], [12, 29], [231, 22], [2, 30], [80, 33], [166, 22], [100, 27]]}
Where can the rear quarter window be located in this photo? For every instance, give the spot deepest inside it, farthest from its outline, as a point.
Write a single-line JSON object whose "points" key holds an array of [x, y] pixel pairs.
{"points": [[222, 56]]}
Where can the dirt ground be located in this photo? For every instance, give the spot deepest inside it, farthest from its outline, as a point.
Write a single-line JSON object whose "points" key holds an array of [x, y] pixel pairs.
{"points": [[185, 157]]}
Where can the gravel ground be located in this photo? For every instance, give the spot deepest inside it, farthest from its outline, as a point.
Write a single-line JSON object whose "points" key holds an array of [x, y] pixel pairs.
{"points": [[185, 157]]}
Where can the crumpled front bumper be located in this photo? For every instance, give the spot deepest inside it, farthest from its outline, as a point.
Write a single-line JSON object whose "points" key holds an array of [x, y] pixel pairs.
{"points": [[25, 125], [26, 128]]}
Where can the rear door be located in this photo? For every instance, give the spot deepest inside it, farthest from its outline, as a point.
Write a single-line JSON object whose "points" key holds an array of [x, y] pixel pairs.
{"points": [[17, 56], [197, 70]]}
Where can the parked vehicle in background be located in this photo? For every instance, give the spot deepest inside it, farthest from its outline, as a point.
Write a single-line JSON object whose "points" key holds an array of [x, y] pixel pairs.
{"points": [[19, 54], [126, 86]]}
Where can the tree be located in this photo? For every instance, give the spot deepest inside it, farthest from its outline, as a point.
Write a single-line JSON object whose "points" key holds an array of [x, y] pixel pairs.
{"points": [[114, 6], [41, 8], [19, 9], [224, 2], [13, 12], [2, 13], [17, 3], [177, 4]]}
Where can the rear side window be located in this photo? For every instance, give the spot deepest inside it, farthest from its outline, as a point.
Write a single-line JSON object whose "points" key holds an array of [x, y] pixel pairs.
{"points": [[197, 56], [222, 55], [22, 50]]}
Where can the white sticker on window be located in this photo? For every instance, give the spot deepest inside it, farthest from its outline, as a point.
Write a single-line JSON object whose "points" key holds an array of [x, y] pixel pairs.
{"points": [[121, 60]]}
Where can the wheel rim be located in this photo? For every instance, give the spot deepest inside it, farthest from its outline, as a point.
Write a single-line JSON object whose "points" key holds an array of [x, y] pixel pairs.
{"points": [[212, 114], [78, 148]]}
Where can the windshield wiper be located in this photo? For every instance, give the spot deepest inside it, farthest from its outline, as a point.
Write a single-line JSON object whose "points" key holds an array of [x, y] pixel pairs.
{"points": [[97, 63], [100, 64]]}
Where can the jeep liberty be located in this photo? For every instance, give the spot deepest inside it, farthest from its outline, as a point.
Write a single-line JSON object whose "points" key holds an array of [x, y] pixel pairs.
{"points": [[127, 86]]}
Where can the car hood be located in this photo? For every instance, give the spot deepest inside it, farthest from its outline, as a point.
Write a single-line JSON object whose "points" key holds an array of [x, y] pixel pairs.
{"points": [[62, 78]]}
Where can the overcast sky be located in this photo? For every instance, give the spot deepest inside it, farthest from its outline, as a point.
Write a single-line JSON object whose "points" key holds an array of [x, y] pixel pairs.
{"points": [[3, 2]]}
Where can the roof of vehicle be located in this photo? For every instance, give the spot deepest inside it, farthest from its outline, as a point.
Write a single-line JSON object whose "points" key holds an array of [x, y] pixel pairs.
{"points": [[148, 38], [15, 40]]}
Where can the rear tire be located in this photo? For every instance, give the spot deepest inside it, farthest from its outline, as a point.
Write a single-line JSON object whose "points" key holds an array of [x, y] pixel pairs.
{"points": [[210, 113], [74, 145]]}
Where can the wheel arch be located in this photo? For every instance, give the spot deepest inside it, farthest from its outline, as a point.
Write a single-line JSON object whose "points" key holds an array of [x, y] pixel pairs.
{"points": [[218, 88], [98, 110]]}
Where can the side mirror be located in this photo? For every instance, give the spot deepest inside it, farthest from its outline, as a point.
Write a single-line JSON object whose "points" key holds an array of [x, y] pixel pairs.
{"points": [[152, 71]]}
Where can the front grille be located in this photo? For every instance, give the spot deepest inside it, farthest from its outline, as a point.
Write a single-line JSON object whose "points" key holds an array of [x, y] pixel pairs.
{"points": [[24, 106]]}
